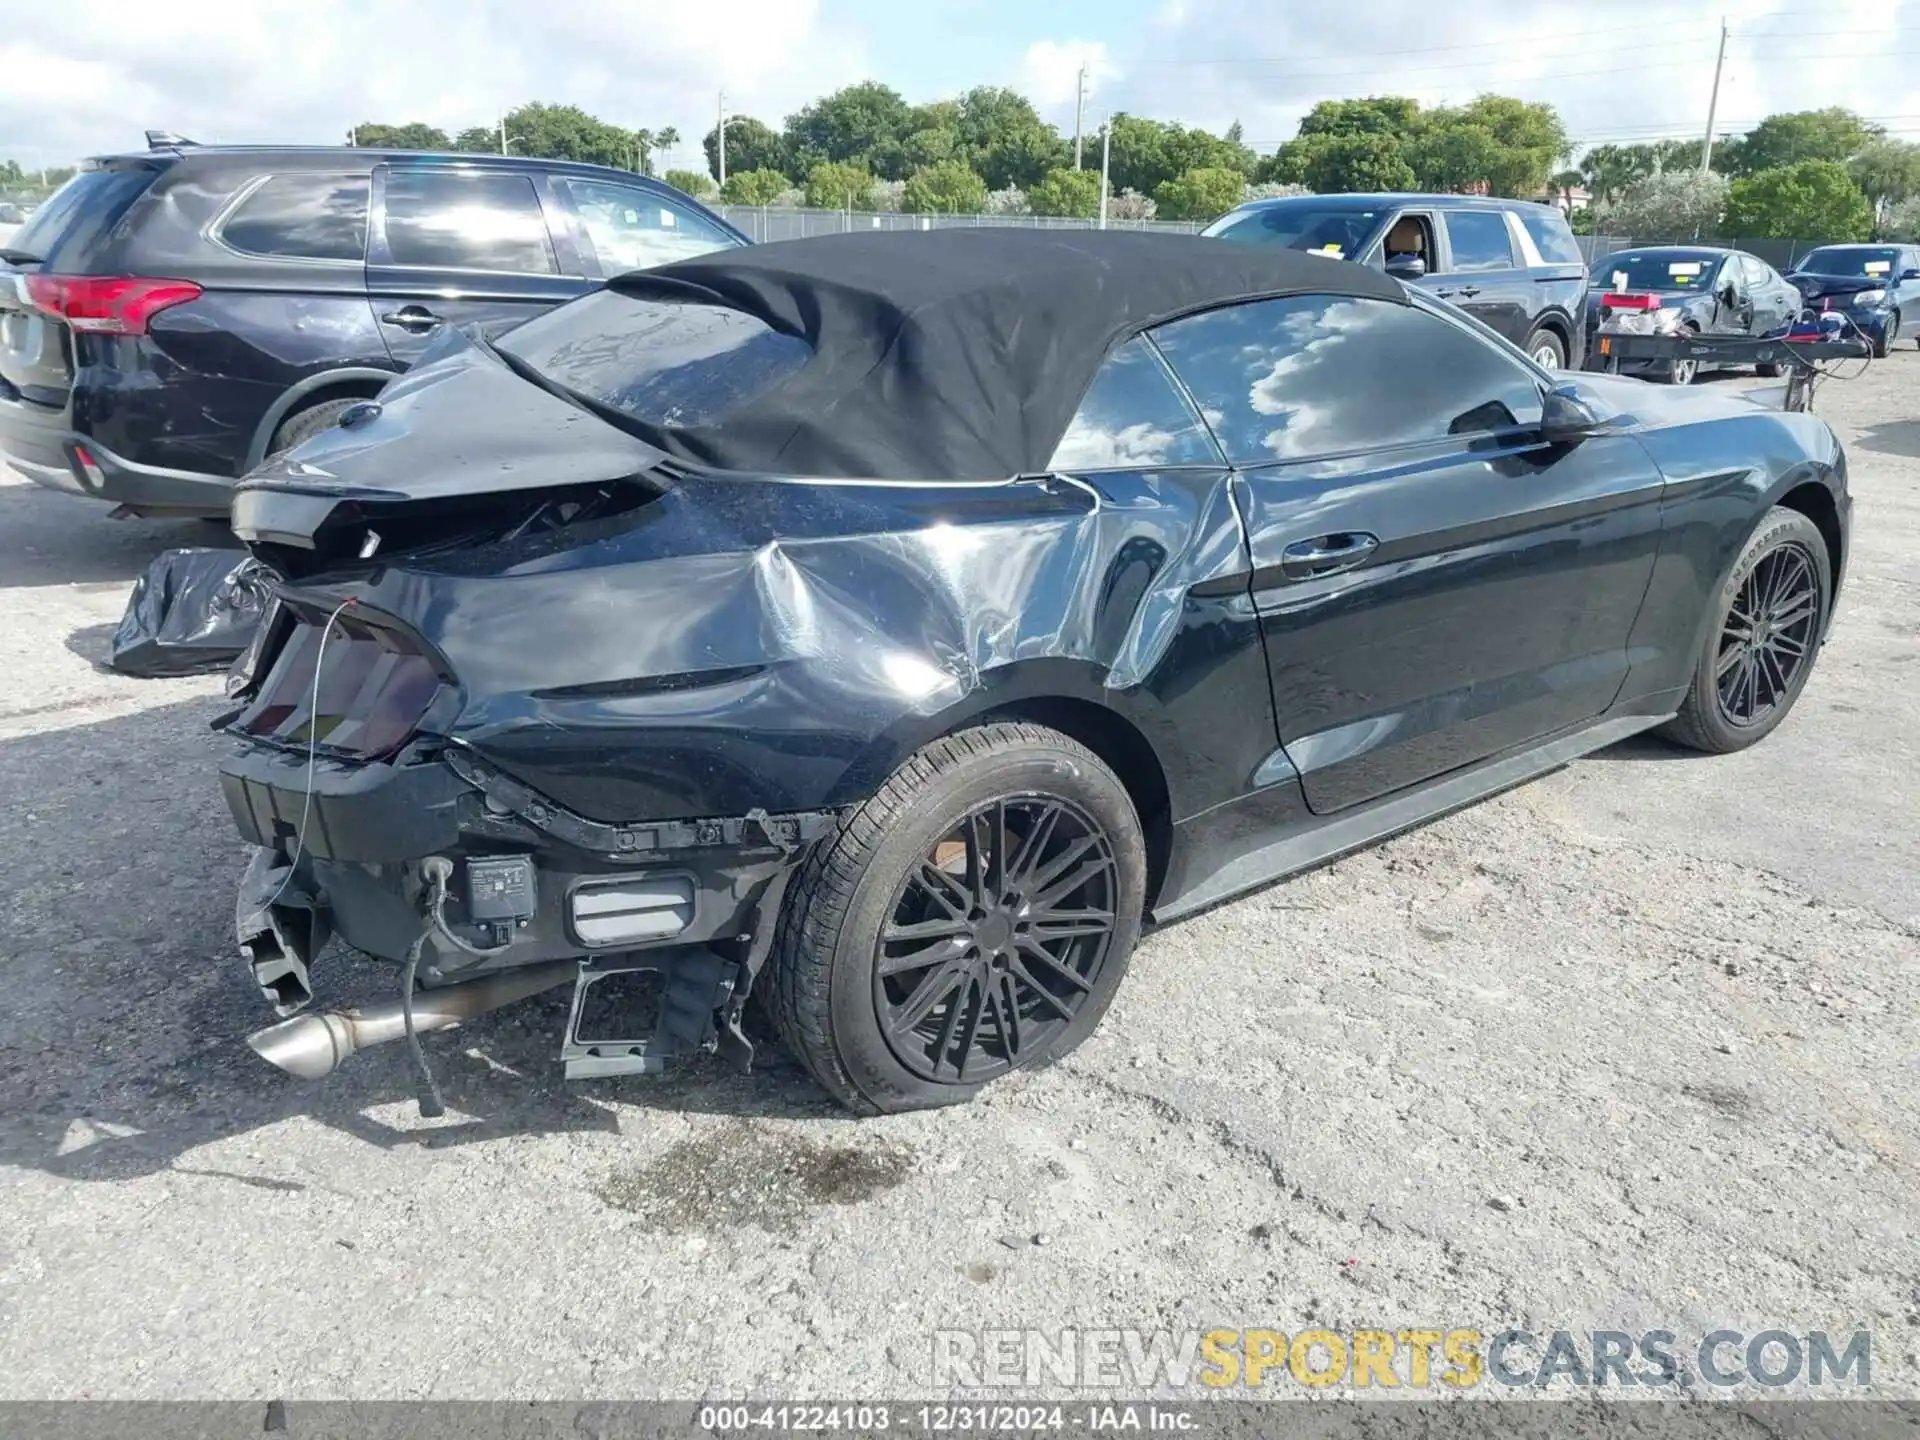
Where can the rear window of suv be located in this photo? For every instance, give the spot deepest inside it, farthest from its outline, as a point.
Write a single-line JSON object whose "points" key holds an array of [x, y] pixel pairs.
{"points": [[667, 364], [1552, 237], [303, 217], [81, 213]]}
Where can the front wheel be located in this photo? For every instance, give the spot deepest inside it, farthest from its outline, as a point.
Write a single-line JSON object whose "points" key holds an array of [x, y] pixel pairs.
{"points": [[973, 918], [1767, 621], [1887, 336]]}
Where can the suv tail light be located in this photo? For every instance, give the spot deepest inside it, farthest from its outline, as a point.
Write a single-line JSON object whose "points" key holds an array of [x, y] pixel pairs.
{"points": [[107, 304], [374, 688]]}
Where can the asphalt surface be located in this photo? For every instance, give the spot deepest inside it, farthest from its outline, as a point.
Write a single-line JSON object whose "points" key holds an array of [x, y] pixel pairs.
{"points": [[1633, 1047]]}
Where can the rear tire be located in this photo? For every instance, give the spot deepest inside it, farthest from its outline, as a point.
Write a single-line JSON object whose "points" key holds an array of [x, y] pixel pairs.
{"points": [[881, 1036], [1777, 594], [1549, 352], [309, 423]]}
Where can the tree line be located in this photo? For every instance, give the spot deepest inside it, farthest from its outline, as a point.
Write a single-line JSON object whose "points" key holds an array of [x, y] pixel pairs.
{"points": [[1818, 174]]}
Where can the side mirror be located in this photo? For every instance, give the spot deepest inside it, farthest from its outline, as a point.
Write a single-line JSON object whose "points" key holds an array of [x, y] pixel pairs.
{"points": [[1567, 419], [1730, 297], [1406, 267]]}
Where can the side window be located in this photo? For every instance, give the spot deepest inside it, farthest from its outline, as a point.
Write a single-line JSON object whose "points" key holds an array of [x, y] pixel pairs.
{"points": [[634, 229], [302, 217], [1552, 237], [466, 220], [1480, 240], [1134, 417], [1315, 375]]}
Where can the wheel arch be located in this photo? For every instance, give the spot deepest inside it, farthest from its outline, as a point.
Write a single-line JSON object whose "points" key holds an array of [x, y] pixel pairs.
{"points": [[1815, 500], [1064, 695], [358, 382]]}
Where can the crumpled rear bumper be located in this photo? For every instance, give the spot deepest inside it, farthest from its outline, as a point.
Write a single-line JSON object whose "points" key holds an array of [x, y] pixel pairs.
{"points": [[531, 882]]}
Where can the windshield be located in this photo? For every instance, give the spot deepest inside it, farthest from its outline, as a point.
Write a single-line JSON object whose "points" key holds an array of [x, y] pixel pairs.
{"points": [[1851, 261], [659, 363], [1657, 270], [1341, 233]]}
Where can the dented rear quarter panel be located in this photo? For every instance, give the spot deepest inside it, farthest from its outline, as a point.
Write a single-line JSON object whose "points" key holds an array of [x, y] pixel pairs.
{"points": [[745, 642]]}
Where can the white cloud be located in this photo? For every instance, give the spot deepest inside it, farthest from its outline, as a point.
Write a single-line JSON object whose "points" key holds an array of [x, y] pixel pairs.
{"points": [[1050, 69], [90, 75]]}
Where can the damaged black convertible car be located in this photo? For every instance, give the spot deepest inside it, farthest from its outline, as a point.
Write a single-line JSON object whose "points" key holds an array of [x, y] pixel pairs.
{"points": [[888, 626]]}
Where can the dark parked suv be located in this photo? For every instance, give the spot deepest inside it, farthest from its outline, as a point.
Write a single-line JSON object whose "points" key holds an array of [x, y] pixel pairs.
{"points": [[170, 318], [1512, 264]]}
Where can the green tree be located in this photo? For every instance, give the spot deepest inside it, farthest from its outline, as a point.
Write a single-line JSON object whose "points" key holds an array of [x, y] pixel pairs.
{"points": [[1528, 140], [566, 132], [1359, 160], [1453, 156], [412, 136], [1194, 149], [1887, 171], [838, 187], [478, 140], [866, 123], [949, 188], [751, 145], [1066, 192], [1671, 205], [1834, 134], [1810, 200], [754, 187], [1395, 115], [696, 183], [1199, 194], [1004, 138]]}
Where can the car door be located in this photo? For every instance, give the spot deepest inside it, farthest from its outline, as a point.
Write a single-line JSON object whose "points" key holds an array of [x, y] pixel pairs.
{"points": [[617, 228], [1906, 289], [1483, 274], [454, 245], [1435, 582], [1774, 301]]}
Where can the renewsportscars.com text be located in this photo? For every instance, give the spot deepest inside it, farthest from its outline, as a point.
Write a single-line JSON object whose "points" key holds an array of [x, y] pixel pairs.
{"points": [[1414, 1359]]}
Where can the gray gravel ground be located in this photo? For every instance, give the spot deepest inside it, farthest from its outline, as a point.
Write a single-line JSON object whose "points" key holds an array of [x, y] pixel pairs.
{"points": [[1632, 1047]]}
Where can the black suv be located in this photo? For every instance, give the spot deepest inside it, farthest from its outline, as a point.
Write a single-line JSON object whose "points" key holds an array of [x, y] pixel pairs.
{"points": [[170, 318], [1512, 264]]}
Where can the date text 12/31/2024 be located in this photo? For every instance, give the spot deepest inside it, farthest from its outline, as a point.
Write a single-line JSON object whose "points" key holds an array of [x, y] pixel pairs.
{"points": [[1103, 1417]]}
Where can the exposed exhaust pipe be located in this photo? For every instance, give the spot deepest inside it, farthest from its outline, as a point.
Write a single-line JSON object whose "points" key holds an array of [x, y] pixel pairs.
{"points": [[311, 1046]]}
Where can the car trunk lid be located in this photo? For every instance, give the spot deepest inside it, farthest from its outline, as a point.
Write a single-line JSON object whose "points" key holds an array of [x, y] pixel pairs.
{"points": [[460, 445]]}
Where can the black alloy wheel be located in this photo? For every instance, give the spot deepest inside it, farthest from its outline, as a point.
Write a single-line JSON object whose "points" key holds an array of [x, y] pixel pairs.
{"points": [[1768, 637], [996, 938], [973, 917], [1760, 639]]}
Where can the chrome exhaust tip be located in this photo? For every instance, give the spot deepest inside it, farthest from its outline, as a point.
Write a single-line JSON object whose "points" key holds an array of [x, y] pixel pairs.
{"points": [[315, 1045]]}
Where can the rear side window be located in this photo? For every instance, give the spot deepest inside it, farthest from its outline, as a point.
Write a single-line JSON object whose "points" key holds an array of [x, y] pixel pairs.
{"points": [[633, 229], [81, 213], [303, 217], [1552, 237], [1134, 418], [1480, 240], [661, 363], [466, 220], [1317, 375]]}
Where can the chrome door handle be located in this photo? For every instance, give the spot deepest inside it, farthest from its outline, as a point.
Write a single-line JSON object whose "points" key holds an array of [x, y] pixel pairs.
{"points": [[1326, 554], [415, 318]]}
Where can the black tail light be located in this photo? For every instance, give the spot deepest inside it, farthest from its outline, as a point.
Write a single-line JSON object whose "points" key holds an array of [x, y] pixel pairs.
{"points": [[375, 687]]}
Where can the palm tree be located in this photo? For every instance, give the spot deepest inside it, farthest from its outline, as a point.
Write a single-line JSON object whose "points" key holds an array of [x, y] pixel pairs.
{"points": [[665, 142], [642, 148], [1566, 182]]}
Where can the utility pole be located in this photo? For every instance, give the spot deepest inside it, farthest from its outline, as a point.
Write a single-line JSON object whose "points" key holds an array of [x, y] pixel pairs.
{"points": [[1106, 155], [720, 138], [1713, 103], [1079, 108]]}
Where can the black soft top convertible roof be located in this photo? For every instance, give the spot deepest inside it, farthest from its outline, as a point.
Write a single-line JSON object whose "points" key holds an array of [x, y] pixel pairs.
{"points": [[954, 354]]}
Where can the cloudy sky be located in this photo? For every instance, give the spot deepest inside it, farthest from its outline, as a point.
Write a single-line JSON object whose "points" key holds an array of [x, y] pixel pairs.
{"points": [[89, 75]]}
